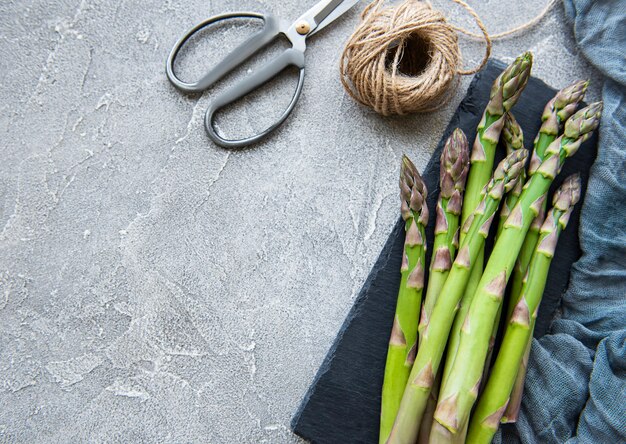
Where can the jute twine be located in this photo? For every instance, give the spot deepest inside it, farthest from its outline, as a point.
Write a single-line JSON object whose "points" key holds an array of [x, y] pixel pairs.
{"points": [[406, 59]]}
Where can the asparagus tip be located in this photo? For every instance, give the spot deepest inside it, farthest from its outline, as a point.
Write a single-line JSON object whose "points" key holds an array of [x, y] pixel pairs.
{"points": [[512, 134], [509, 85], [454, 164], [512, 166], [562, 106], [584, 121], [515, 77], [563, 202], [571, 94], [413, 192], [568, 193]]}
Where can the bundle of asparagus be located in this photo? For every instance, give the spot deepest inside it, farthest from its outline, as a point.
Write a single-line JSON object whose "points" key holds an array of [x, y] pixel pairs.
{"points": [[424, 400]]}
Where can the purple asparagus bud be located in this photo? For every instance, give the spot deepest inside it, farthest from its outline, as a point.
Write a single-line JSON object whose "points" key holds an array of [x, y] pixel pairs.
{"points": [[510, 84], [453, 171], [506, 174], [563, 202], [512, 134], [413, 193], [562, 106]]}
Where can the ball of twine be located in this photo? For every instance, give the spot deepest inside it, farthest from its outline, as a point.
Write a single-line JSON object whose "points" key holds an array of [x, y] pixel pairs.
{"points": [[405, 58]]}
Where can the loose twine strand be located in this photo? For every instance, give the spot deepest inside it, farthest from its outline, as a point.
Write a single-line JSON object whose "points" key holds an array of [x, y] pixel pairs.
{"points": [[406, 58]]}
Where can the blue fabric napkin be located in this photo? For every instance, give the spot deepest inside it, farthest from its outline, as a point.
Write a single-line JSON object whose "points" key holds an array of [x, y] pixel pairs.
{"points": [[575, 389]]}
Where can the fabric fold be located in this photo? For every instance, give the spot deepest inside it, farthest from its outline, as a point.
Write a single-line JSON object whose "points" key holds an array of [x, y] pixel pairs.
{"points": [[576, 382]]}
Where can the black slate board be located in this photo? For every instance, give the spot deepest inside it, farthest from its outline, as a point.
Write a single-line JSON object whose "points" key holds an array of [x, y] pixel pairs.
{"points": [[342, 404]]}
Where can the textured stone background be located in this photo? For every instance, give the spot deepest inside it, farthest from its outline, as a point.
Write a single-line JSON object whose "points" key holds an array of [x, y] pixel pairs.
{"points": [[156, 288]]}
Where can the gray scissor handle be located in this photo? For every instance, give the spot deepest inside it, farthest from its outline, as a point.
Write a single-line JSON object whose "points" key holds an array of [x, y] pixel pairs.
{"points": [[271, 30], [258, 40], [290, 57]]}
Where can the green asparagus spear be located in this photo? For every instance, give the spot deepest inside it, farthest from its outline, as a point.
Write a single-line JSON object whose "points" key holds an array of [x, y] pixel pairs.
{"points": [[452, 175], [424, 435], [505, 91], [439, 434], [560, 108], [493, 401], [555, 113], [417, 391], [513, 138], [403, 341], [460, 390], [522, 262], [511, 412], [504, 94]]}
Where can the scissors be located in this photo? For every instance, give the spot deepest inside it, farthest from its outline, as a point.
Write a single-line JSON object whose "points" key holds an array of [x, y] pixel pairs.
{"points": [[316, 18]]}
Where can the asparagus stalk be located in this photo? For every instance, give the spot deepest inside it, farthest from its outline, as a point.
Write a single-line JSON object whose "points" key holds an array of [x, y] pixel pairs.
{"points": [[513, 138], [452, 174], [424, 435], [429, 354], [511, 412], [522, 263], [494, 399], [403, 340], [505, 91], [560, 108], [460, 390], [556, 111], [439, 434], [504, 94]]}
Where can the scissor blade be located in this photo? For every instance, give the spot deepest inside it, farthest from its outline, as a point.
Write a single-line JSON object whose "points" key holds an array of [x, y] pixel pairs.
{"points": [[325, 12], [337, 12]]}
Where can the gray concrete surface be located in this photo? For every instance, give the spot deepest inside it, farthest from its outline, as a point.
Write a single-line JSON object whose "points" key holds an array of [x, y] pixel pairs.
{"points": [[155, 288]]}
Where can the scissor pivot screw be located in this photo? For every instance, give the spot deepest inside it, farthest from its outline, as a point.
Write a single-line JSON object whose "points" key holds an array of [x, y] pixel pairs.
{"points": [[303, 27]]}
